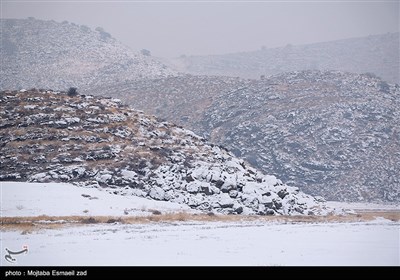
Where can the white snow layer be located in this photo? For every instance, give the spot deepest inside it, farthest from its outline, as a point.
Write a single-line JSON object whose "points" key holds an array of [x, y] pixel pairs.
{"points": [[212, 243], [57, 199], [180, 243]]}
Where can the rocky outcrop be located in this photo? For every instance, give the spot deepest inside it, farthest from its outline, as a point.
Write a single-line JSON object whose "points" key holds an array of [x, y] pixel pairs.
{"points": [[98, 142], [329, 133]]}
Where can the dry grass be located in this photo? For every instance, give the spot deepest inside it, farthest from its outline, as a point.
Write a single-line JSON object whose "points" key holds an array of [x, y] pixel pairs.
{"points": [[371, 215], [30, 224], [19, 132]]}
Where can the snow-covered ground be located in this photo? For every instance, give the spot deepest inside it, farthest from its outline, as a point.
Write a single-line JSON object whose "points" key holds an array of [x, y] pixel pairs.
{"points": [[57, 199], [257, 242], [211, 243], [364, 206]]}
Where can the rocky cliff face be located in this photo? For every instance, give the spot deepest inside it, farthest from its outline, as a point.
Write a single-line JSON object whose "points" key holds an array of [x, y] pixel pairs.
{"points": [[48, 54], [97, 142], [330, 133]]}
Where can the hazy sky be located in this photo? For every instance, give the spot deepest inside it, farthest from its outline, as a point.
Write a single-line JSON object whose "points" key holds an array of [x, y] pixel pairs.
{"points": [[172, 28]]}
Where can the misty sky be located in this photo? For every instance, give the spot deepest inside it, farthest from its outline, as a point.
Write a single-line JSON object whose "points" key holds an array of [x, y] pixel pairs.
{"points": [[174, 28]]}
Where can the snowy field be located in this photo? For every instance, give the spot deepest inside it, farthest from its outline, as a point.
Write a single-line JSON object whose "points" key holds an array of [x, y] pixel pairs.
{"points": [[57, 199], [212, 243], [257, 242]]}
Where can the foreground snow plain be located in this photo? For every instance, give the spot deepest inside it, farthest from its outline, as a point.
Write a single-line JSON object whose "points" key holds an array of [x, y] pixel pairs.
{"points": [[20, 199], [212, 243], [181, 243]]}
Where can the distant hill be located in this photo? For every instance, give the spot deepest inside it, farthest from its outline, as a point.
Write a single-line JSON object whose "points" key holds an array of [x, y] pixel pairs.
{"points": [[378, 54], [331, 133], [97, 142], [48, 54]]}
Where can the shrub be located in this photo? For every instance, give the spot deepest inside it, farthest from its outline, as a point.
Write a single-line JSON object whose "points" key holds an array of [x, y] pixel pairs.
{"points": [[72, 91], [90, 220], [145, 52], [384, 86], [103, 34], [155, 212]]}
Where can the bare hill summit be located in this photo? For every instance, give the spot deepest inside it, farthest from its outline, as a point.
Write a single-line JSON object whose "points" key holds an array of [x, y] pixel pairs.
{"points": [[48, 54]]}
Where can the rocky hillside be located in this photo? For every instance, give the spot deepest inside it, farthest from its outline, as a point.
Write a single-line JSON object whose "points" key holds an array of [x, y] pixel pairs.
{"points": [[378, 54], [48, 54], [97, 142], [330, 133], [180, 99]]}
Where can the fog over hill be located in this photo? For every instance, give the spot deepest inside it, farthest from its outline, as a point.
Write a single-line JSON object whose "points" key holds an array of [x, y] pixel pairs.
{"points": [[48, 54], [378, 54]]}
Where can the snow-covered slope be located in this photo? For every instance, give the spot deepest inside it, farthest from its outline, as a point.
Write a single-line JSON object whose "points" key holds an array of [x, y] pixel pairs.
{"points": [[97, 142], [330, 133], [47, 54], [22, 199], [378, 54]]}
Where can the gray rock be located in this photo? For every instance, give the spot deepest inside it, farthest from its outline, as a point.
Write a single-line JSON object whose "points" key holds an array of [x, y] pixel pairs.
{"points": [[192, 188], [239, 210], [282, 193], [277, 204], [233, 193], [207, 190], [157, 193]]}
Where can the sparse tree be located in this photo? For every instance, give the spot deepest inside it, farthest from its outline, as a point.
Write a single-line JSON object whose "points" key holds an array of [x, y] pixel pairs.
{"points": [[72, 91], [145, 52], [370, 75], [384, 86], [84, 28], [103, 34]]}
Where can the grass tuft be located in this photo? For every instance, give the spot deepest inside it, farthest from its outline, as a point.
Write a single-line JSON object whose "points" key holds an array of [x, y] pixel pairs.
{"points": [[28, 224]]}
